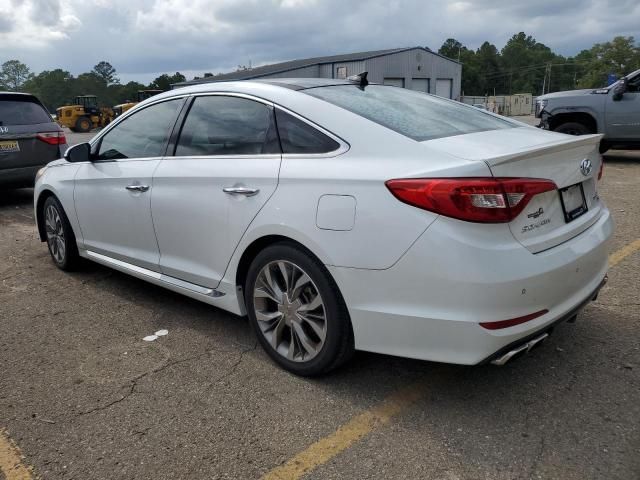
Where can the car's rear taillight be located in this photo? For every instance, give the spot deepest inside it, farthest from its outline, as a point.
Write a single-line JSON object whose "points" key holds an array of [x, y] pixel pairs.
{"points": [[601, 171], [481, 200], [52, 138]]}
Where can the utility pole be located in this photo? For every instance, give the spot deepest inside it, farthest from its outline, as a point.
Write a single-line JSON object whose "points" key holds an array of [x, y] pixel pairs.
{"points": [[546, 84]]}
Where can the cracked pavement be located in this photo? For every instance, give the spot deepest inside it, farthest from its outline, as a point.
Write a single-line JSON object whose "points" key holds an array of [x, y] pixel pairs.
{"points": [[84, 397]]}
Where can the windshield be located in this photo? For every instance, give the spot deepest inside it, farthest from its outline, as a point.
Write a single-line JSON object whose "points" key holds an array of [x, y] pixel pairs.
{"points": [[22, 111], [416, 115]]}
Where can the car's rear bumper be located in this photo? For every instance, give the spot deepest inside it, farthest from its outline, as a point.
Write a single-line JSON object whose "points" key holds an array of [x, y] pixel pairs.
{"points": [[499, 356], [18, 177], [429, 305]]}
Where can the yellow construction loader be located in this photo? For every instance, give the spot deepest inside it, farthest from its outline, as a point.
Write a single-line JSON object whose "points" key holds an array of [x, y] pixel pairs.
{"points": [[84, 114], [142, 95]]}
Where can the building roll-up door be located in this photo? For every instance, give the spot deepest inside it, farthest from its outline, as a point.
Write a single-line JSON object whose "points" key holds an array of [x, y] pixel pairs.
{"points": [[420, 85], [394, 82], [444, 87]]}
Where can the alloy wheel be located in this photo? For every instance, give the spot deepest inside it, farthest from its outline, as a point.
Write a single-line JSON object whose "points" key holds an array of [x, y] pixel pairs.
{"points": [[290, 311], [55, 234]]}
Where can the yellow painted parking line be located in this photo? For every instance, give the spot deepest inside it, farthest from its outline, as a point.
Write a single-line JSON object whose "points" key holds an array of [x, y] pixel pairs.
{"points": [[11, 460], [328, 447], [619, 255]]}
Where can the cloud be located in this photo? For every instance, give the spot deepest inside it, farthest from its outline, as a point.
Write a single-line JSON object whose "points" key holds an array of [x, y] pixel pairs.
{"points": [[142, 38], [33, 25]]}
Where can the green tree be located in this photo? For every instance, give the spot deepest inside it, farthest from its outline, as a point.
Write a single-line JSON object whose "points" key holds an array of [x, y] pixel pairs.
{"points": [[455, 50], [619, 56], [524, 61], [92, 84], [164, 81], [106, 71], [452, 48], [54, 88], [487, 60], [125, 93], [13, 75]]}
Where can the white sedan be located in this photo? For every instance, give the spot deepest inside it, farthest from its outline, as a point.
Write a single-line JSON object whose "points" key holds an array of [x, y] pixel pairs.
{"points": [[340, 215]]}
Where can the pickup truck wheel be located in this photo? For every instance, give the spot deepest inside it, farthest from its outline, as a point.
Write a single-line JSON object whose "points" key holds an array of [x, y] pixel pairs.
{"points": [[572, 128]]}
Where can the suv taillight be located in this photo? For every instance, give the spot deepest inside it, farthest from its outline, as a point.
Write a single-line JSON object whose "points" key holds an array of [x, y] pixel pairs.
{"points": [[52, 138], [481, 200]]}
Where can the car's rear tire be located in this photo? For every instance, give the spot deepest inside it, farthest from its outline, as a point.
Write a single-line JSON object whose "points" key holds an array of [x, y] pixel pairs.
{"points": [[572, 128], [83, 124], [297, 312], [60, 238]]}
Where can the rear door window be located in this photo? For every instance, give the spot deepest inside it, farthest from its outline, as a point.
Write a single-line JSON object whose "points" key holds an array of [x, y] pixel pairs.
{"points": [[221, 125], [297, 136], [27, 111], [143, 134]]}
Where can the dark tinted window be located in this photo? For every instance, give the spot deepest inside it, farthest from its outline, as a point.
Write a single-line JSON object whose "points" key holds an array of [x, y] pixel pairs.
{"points": [[144, 134], [634, 84], [22, 111], [218, 125], [413, 114], [297, 136]]}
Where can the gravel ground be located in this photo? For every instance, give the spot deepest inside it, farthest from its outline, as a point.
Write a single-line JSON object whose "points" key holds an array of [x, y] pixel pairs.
{"points": [[84, 397]]}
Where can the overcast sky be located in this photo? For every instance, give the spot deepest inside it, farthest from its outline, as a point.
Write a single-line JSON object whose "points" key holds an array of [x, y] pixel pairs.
{"points": [[143, 38]]}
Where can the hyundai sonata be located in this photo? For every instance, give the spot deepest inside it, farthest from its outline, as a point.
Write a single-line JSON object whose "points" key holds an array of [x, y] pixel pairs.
{"points": [[340, 215]]}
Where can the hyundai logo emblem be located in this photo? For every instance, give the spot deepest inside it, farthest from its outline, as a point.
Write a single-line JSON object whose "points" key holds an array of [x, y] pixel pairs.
{"points": [[585, 167]]}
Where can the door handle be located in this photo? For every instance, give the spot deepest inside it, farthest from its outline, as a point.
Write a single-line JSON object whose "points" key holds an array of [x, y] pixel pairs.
{"points": [[137, 188], [249, 192]]}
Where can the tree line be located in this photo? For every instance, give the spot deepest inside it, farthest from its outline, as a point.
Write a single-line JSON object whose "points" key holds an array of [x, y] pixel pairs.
{"points": [[59, 87], [525, 65]]}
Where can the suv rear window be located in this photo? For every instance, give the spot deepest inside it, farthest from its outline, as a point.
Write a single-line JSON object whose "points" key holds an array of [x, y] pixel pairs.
{"points": [[22, 110], [413, 114]]}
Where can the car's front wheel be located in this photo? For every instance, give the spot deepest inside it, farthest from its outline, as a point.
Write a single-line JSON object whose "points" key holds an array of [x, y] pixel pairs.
{"points": [[297, 311], [60, 238]]}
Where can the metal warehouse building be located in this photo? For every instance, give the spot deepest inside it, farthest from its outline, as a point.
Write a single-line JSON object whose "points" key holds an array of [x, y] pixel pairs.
{"points": [[417, 68]]}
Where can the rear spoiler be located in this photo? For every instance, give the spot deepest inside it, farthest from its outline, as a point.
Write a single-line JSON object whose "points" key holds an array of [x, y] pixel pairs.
{"points": [[548, 147]]}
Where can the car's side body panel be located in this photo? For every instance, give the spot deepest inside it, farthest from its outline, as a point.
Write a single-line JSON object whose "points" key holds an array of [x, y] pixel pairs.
{"points": [[197, 224], [59, 181], [116, 221]]}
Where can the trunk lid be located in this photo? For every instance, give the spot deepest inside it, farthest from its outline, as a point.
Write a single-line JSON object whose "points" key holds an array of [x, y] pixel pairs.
{"points": [[553, 217]]}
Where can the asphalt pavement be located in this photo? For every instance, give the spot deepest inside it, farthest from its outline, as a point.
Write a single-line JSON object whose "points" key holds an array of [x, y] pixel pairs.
{"points": [[82, 396]]}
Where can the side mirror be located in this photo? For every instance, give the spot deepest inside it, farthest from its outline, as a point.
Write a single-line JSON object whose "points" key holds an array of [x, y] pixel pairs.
{"points": [[619, 91], [78, 153]]}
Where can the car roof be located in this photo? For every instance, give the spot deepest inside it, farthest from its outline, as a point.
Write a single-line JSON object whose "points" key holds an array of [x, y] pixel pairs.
{"points": [[245, 85], [17, 94], [300, 83]]}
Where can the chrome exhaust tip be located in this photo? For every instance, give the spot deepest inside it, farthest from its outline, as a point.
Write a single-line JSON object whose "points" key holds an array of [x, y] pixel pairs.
{"points": [[520, 350]]}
